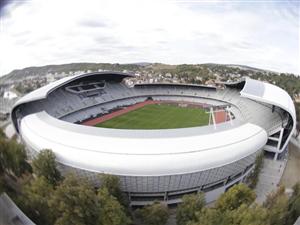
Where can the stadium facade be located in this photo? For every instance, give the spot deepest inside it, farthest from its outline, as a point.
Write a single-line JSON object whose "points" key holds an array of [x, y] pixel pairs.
{"points": [[156, 164]]}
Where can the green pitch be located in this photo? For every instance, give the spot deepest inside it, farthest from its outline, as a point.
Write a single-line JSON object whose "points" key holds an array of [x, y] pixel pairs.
{"points": [[159, 117]]}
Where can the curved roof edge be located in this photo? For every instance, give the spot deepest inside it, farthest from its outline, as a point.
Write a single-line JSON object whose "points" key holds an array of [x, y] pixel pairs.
{"points": [[42, 92], [176, 84], [232, 83], [124, 155], [270, 94]]}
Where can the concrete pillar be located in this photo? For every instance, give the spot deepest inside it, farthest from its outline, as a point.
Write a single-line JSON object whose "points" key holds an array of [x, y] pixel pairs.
{"points": [[275, 156]]}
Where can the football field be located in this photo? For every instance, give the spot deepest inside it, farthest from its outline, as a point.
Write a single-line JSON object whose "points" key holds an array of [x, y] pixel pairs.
{"points": [[159, 116]]}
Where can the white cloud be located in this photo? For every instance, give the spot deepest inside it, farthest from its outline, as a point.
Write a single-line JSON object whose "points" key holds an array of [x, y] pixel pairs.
{"points": [[41, 32]]}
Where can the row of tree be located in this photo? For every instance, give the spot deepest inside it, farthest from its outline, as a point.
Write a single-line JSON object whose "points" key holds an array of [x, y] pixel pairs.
{"points": [[237, 207], [72, 201], [13, 163], [51, 198], [47, 197]]}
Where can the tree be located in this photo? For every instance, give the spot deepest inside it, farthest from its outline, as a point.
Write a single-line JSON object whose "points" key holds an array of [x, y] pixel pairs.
{"points": [[187, 209], [293, 211], [277, 206], [2, 185], [13, 158], [154, 214], [209, 216], [34, 201], [279, 211], [112, 184], [243, 215], [18, 158], [248, 215], [271, 198], [294, 205], [2, 134], [74, 202], [4, 156], [45, 165], [253, 178], [235, 196], [110, 210]]}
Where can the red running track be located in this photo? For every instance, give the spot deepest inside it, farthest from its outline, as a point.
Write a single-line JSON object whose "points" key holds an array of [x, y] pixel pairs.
{"points": [[220, 117]]}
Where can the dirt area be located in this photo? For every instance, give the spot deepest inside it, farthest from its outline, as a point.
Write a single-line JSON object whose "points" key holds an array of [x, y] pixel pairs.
{"points": [[291, 174]]}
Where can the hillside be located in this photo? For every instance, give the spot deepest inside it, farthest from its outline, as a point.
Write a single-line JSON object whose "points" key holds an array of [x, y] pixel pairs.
{"points": [[64, 68], [191, 73], [190, 69]]}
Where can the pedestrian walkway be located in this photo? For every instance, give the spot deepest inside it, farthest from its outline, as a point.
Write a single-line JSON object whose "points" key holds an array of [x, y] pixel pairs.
{"points": [[296, 141], [269, 178]]}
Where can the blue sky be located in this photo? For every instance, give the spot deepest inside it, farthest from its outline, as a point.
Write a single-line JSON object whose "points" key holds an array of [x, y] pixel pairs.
{"points": [[262, 34]]}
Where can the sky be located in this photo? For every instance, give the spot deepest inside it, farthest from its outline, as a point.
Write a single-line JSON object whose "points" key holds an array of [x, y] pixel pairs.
{"points": [[258, 33]]}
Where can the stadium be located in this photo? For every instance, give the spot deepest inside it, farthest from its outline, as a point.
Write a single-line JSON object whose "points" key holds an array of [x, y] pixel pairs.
{"points": [[162, 140]]}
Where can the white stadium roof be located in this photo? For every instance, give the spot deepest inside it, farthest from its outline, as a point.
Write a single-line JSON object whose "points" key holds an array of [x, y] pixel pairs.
{"points": [[268, 93], [42, 92], [123, 153], [271, 94]]}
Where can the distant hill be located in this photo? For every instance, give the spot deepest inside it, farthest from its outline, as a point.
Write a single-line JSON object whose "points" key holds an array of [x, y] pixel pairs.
{"points": [[141, 63], [249, 68], [191, 72], [66, 68]]}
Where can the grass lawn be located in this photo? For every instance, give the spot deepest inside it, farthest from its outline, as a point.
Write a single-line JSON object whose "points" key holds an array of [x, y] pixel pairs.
{"points": [[159, 117]]}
